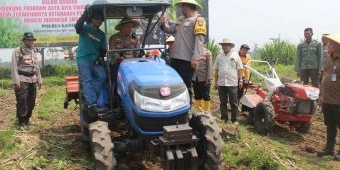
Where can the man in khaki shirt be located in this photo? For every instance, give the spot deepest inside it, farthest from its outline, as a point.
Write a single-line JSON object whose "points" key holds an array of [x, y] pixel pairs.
{"points": [[330, 94], [25, 76]]}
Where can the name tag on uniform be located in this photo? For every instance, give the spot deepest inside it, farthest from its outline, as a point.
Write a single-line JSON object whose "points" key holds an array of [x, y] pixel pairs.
{"points": [[333, 75]]}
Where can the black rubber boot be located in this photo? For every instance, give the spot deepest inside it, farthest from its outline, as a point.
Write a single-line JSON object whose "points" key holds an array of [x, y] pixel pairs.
{"points": [[329, 149]]}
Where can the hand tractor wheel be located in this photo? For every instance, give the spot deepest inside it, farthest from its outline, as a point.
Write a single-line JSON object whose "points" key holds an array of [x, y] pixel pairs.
{"points": [[250, 116], [264, 117], [102, 146], [210, 143], [84, 124]]}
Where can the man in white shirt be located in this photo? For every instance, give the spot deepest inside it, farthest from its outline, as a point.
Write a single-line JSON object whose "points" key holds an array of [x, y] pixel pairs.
{"points": [[228, 78]]}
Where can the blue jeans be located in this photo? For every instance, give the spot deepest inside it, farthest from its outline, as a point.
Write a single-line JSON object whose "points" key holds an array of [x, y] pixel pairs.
{"points": [[92, 78], [225, 93]]}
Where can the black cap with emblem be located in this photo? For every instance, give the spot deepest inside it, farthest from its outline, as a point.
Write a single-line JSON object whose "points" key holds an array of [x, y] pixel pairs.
{"points": [[28, 36]]}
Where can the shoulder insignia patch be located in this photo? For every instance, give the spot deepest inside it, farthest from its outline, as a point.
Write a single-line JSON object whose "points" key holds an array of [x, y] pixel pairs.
{"points": [[200, 26]]}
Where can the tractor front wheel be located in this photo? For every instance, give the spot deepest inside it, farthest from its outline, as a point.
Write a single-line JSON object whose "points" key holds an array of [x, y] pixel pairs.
{"points": [[264, 117], [210, 144], [102, 146]]}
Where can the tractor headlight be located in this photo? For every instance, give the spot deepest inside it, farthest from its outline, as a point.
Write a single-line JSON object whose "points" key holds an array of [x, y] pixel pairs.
{"points": [[313, 95], [158, 105]]}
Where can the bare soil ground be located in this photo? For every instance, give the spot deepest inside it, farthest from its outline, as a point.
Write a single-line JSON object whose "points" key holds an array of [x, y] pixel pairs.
{"points": [[63, 135]]}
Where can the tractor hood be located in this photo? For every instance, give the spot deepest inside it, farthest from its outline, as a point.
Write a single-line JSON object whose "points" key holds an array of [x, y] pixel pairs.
{"points": [[146, 72], [303, 92]]}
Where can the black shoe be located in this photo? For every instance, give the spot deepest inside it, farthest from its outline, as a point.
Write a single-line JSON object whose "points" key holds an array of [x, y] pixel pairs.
{"points": [[96, 109], [325, 152]]}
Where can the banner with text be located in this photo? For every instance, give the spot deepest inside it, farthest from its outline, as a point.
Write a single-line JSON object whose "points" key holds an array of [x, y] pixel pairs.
{"points": [[51, 21]]}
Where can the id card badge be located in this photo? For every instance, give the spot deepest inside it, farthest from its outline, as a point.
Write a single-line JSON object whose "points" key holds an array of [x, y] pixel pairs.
{"points": [[333, 77]]}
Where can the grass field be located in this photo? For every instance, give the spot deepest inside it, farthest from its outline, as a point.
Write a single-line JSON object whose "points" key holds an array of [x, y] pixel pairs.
{"points": [[53, 142]]}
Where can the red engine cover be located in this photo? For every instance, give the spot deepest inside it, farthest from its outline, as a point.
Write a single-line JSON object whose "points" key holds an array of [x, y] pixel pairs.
{"points": [[300, 90]]}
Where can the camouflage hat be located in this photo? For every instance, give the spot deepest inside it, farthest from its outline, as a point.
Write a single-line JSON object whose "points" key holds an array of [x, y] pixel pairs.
{"points": [[28, 36]]}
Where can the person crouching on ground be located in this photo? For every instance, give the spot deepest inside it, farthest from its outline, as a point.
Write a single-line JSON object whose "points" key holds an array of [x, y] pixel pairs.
{"points": [[25, 75]]}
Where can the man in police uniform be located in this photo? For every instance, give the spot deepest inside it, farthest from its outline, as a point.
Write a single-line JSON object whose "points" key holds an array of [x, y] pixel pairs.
{"points": [[330, 94], [201, 81], [309, 59], [189, 31], [25, 76], [124, 39]]}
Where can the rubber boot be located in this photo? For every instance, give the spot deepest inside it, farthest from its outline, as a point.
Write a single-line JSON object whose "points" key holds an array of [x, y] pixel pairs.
{"points": [[206, 106], [329, 149], [198, 106]]}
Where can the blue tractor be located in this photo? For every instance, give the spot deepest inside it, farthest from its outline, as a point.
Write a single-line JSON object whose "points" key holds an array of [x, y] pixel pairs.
{"points": [[154, 103]]}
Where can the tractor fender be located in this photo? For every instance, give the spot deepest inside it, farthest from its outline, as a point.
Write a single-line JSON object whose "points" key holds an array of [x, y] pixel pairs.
{"points": [[251, 100]]}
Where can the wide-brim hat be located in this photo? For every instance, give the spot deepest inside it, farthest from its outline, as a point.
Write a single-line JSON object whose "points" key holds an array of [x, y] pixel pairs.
{"points": [[126, 20], [198, 6], [170, 39], [333, 37], [226, 41], [28, 36]]}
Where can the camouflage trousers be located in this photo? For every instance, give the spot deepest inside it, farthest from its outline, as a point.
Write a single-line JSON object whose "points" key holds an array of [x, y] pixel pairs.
{"points": [[25, 97]]}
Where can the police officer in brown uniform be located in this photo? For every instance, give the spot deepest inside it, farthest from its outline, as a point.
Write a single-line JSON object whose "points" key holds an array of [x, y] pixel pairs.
{"points": [[124, 39], [189, 32], [201, 81], [330, 94], [25, 76]]}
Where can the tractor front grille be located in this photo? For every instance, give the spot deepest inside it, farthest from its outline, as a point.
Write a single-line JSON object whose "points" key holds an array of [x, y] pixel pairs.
{"points": [[156, 124], [298, 106]]}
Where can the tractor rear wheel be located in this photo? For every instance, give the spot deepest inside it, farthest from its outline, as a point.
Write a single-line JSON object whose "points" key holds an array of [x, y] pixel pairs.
{"points": [[84, 124], [264, 117], [210, 144], [102, 146]]}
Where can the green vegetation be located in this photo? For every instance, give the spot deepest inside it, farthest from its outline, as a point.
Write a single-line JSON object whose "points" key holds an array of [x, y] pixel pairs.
{"points": [[44, 146], [213, 47], [277, 52]]}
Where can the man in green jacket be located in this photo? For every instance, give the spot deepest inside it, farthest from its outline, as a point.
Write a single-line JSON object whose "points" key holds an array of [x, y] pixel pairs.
{"points": [[309, 58]]}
